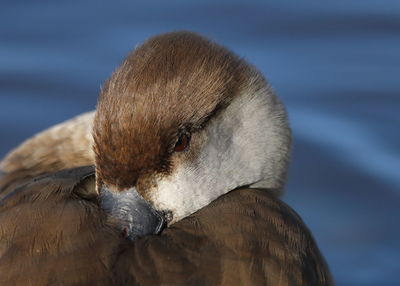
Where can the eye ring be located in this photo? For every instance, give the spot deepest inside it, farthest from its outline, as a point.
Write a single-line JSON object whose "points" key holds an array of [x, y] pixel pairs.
{"points": [[183, 142]]}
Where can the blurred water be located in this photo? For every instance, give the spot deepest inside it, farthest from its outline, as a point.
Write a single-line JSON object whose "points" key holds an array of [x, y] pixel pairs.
{"points": [[336, 65]]}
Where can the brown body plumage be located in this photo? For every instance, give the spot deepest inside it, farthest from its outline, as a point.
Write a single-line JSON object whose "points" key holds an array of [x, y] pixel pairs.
{"points": [[51, 235], [62, 146]]}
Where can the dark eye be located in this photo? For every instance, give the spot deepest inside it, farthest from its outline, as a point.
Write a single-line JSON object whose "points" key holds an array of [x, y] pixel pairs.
{"points": [[182, 143]]}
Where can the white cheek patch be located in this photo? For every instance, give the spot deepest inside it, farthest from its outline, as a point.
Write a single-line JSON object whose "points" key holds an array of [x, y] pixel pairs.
{"points": [[248, 143]]}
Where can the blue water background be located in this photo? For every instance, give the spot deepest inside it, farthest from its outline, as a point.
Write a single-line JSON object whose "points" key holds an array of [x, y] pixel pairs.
{"points": [[336, 65]]}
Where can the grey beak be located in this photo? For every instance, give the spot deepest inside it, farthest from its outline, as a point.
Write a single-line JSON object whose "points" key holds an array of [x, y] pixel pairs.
{"points": [[132, 212]]}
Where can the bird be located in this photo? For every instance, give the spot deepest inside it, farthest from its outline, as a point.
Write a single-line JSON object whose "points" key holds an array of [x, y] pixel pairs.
{"points": [[190, 149]]}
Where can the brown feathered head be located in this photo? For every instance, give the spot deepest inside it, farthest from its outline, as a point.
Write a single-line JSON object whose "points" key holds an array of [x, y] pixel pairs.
{"points": [[182, 121]]}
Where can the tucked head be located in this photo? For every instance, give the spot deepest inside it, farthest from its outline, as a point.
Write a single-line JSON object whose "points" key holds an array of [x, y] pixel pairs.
{"points": [[183, 121]]}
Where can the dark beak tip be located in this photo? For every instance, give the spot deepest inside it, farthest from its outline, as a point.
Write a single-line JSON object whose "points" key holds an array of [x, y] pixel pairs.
{"points": [[150, 222]]}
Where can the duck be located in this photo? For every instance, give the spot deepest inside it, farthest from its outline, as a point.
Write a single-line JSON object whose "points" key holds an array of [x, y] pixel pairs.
{"points": [[189, 151]]}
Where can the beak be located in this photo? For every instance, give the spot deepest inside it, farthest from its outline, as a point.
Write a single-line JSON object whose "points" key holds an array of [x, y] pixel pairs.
{"points": [[134, 215]]}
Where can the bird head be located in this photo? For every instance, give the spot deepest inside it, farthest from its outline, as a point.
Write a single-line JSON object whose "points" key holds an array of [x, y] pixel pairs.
{"points": [[181, 122]]}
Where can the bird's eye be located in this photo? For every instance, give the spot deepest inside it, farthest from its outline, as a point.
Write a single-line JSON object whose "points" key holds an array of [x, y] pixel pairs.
{"points": [[182, 143]]}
